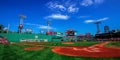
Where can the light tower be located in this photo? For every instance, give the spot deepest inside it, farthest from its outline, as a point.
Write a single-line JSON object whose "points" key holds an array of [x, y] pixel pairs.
{"points": [[106, 29], [22, 17], [8, 28], [48, 26], [97, 24]]}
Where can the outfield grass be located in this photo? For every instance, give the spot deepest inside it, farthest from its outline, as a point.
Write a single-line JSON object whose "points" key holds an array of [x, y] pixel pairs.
{"points": [[113, 44], [16, 52], [60, 43]]}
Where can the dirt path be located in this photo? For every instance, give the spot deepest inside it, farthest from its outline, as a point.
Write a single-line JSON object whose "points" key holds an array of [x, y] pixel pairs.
{"points": [[100, 45], [67, 42], [96, 51], [33, 48]]}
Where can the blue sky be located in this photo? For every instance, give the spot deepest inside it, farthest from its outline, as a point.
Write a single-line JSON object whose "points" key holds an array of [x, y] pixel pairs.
{"points": [[78, 15]]}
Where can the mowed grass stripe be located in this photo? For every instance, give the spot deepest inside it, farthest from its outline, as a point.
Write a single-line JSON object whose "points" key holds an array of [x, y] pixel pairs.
{"points": [[32, 55], [75, 44], [61, 57], [26, 55], [21, 54], [86, 58], [49, 55], [18, 50], [13, 52], [1, 50], [44, 54], [8, 53]]}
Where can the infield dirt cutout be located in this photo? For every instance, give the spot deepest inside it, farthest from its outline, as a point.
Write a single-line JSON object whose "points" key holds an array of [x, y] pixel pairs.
{"points": [[67, 43], [96, 51], [33, 48]]}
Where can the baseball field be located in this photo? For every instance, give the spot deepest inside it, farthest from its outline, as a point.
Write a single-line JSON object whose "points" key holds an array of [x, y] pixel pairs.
{"points": [[44, 51]]}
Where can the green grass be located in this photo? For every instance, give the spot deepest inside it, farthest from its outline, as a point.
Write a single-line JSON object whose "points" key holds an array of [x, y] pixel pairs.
{"points": [[113, 44], [60, 43], [75, 44], [16, 52]]}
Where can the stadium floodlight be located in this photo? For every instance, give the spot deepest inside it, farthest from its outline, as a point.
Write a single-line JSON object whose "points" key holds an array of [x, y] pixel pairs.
{"points": [[21, 18], [97, 24], [48, 24]]}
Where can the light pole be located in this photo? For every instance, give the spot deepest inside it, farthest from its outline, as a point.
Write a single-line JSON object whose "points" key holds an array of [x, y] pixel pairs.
{"points": [[48, 26], [22, 17], [98, 28], [8, 28]]}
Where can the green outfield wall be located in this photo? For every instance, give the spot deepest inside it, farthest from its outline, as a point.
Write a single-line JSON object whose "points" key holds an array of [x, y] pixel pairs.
{"points": [[16, 37]]}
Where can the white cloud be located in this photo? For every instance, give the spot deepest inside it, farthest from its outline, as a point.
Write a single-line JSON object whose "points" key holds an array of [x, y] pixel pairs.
{"points": [[83, 16], [72, 9], [87, 3], [55, 5], [32, 24], [45, 27], [63, 7], [58, 16], [98, 1], [91, 2], [40, 26], [102, 19], [91, 21]]}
